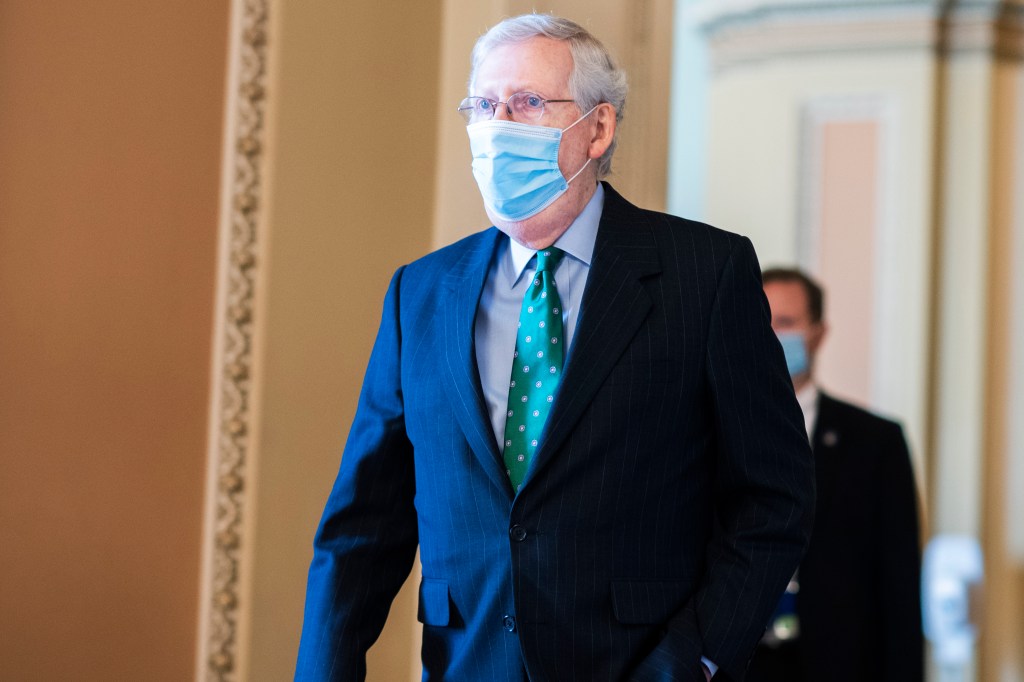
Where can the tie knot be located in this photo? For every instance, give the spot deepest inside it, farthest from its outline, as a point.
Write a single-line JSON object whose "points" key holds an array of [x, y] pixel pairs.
{"points": [[548, 259]]}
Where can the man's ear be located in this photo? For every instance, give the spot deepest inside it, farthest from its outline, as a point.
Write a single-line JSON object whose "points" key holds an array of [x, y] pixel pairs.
{"points": [[604, 130]]}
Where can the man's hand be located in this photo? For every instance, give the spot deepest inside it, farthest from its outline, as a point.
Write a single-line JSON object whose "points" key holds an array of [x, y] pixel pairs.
{"points": [[707, 673]]}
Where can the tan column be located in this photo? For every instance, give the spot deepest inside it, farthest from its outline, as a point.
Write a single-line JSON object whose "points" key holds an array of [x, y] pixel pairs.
{"points": [[976, 227], [1001, 654], [347, 193]]}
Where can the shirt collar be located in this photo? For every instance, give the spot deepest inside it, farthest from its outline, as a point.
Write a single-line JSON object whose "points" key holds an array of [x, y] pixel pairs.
{"points": [[577, 241], [808, 399]]}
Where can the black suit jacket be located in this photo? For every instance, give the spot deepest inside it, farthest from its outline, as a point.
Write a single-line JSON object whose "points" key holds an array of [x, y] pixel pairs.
{"points": [[668, 504], [859, 602]]}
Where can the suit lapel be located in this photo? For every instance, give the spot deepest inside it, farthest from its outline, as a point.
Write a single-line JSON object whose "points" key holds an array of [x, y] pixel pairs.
{"points": [[464, 283], [615, 303], [827, 446]]}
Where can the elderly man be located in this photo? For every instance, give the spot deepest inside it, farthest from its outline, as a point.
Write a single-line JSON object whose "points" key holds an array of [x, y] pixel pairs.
{"points": [[580, 416], [854, 611]]}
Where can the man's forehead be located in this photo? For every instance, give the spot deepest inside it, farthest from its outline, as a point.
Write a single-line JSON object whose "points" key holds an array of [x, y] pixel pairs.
{"points": [[538, 64], [787, 297]]}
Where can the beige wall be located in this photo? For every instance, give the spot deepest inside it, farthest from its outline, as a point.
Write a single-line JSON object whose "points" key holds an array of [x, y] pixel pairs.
{"points": [[766, 142], [110, 123], [351, 148], [1002, 653]]}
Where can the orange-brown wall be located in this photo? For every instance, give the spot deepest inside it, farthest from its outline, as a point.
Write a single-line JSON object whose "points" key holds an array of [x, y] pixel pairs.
{"points": [[110, 127]]}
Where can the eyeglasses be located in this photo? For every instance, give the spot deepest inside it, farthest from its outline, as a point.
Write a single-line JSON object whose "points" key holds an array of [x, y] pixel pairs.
{"points": [[524, 107]]}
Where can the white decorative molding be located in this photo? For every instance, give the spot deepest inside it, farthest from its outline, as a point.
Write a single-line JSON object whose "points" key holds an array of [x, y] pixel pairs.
{"points": [[720, 11], [745, 31], [815, 114], [227, 484], [882, 110]]}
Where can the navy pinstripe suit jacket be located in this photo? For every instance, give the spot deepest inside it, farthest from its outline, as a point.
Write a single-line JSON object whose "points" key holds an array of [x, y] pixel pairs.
{"points": [[668, 504]]}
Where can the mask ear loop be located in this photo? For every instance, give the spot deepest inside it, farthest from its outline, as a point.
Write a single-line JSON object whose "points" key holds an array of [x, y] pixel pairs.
{"points": [[569, 181], [581, 117]]}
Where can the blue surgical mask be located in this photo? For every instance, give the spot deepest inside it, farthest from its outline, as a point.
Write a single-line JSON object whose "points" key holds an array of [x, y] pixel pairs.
{"points": [[516, 166], [795, 348]]}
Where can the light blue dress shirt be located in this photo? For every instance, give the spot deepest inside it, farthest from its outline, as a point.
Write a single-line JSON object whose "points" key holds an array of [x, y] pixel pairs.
{"points": [[497, 313]]}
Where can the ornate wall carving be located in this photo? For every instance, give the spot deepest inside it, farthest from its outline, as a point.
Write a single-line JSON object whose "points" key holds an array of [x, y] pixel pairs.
{"points": [[231, 405]]}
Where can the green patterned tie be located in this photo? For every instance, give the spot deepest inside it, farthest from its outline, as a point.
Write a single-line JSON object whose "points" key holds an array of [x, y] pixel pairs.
{"points": [[536, 368]]}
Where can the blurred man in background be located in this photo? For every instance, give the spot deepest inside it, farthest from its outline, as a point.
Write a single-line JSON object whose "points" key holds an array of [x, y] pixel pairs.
{"points": [[852, 612]]}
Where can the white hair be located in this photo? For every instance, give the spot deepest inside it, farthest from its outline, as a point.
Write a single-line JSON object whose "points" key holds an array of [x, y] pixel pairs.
{"points": [[594, 78]]}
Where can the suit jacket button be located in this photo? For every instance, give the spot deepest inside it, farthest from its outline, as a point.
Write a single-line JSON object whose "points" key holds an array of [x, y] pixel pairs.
{"points": [[509, 622], [517, 532]]}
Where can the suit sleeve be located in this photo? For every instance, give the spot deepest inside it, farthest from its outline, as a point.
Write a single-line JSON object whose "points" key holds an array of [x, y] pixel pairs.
{"points": [[764, 486], [899, 567], [364, 547]]}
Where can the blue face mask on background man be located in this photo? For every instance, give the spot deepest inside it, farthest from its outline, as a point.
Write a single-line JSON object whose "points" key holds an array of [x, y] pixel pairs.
{"points": [[516, 166], [794, 346]]}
